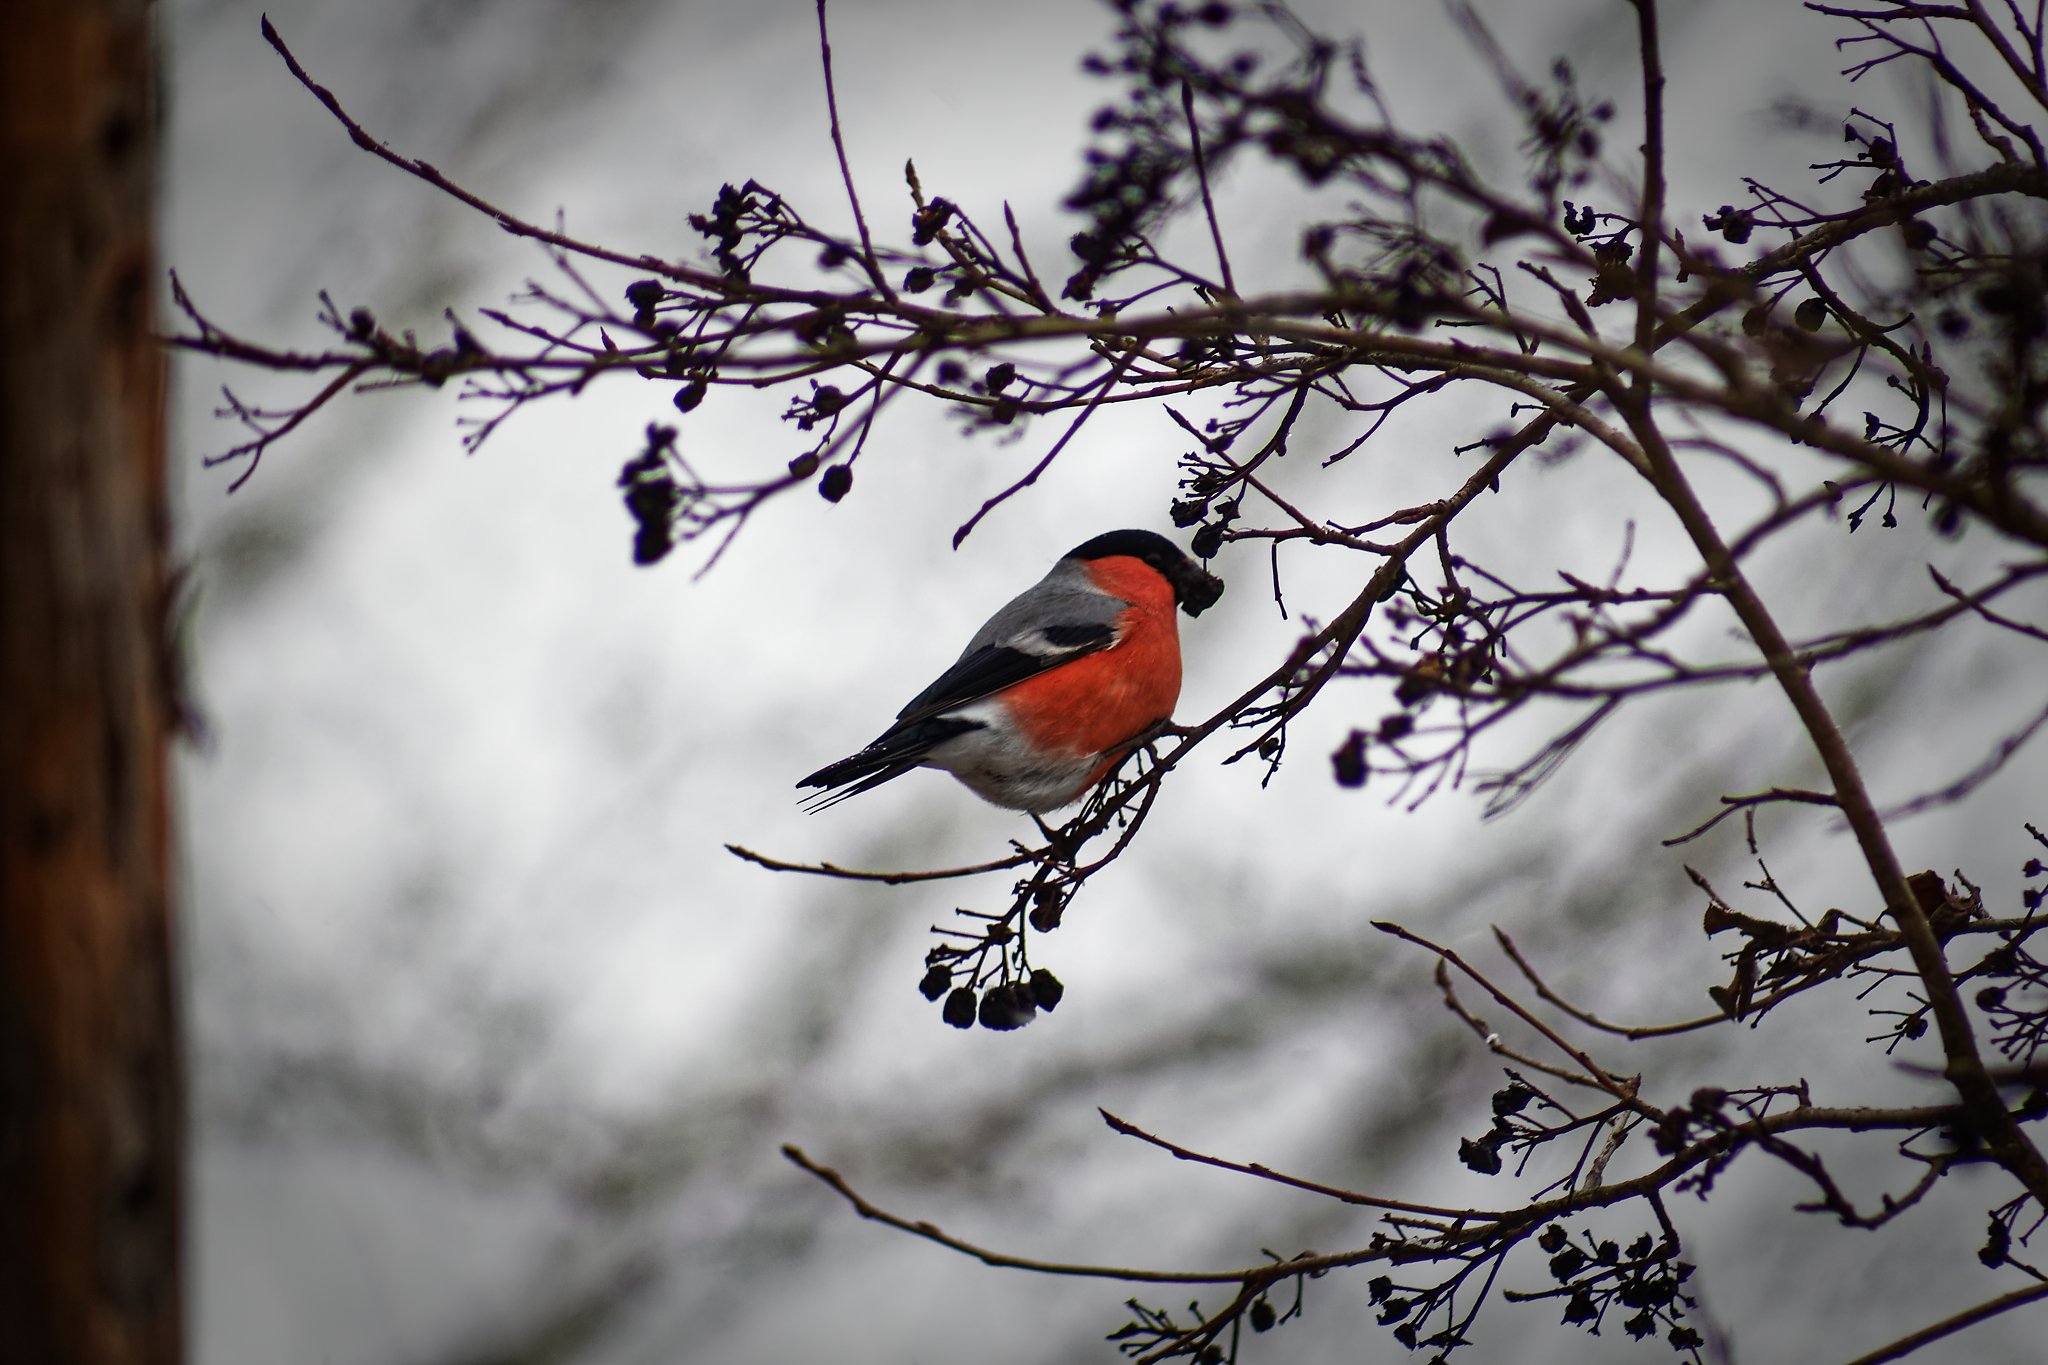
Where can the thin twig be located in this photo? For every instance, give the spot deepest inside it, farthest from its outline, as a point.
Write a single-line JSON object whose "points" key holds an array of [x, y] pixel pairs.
{"points": [[1650, 225], [886, 878], [1732, 804], [1370, 1201], [1949, 1326], [1107, 382], [1187, 104], [420, 169], [932, 1233], [867, 245], [1621, 1088]]}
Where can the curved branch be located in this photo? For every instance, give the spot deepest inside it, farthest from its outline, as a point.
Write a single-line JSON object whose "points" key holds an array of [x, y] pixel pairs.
{"points": [[1948, 1327]]}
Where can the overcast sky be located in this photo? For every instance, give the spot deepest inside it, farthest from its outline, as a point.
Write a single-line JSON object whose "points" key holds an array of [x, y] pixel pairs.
{"points": [[496, 1046]]}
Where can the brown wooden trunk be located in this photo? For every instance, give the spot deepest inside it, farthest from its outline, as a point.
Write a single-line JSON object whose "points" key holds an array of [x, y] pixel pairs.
{"points": [[91, 1142]]}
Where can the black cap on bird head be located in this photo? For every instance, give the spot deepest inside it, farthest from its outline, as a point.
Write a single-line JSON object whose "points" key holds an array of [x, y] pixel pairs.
{"points": [[1195, 588]]}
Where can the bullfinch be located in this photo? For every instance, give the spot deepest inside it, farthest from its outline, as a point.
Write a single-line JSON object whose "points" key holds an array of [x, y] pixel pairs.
{"points": [[1056, 689]]}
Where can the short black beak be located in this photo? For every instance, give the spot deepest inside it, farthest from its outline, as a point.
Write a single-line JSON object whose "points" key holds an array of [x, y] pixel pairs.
{"points": [[1196, 588]]}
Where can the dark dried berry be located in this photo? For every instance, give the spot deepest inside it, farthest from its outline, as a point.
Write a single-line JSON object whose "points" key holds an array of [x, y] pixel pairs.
{"points": [[1047, 990], [803, 466], [827, 400], [1551, 1238], [1991, 997], [950, 373], [1262, 1316], [1512, 1099], [999, 377], [644, 294], [651, 542], [918, 279], [1997, 1245], [1811, 314], [1732, 223], [836, 483], [1006, 1008], [927, 221], [650, 500], [690, 395], [1092, 248], [1207, 541], [1568, 1261], [1349, 761], [1481, 1154], [936, 980], [1396, 726], [651, 497], [959, 1008], [361, 324]]}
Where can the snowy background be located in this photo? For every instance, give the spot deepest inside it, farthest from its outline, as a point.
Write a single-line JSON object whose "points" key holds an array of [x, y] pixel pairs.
{"points": [[494, 1044]]}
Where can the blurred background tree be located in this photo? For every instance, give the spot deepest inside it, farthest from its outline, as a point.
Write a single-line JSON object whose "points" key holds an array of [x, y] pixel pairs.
{"points": [[91, 1121]]}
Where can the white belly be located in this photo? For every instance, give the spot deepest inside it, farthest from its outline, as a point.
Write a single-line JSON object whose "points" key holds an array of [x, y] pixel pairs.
{"points": [[997, 766]]}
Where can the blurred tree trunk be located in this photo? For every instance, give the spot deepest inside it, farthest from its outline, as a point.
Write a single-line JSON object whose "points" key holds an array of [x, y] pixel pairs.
{"points": [[91, 1147]]}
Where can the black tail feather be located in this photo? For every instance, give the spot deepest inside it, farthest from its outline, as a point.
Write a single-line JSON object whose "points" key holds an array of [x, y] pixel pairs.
{"points": [[827, 799], [888, 758]]}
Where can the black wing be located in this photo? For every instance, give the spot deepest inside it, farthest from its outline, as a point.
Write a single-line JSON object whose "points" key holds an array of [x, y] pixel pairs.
{"points": [[923, 725], [995, 667]]}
